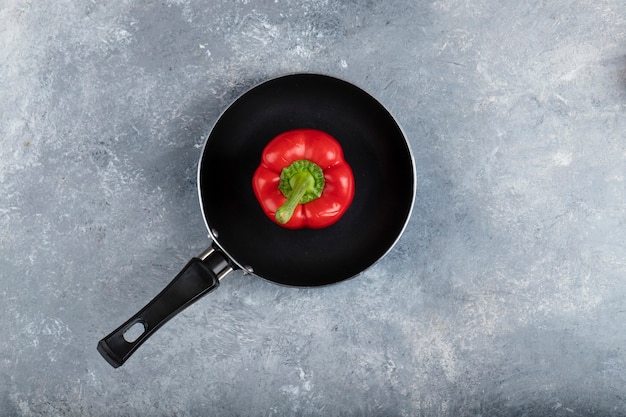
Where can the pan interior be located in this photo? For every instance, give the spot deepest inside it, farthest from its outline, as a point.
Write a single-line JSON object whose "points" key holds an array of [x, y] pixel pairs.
{"points": [[374, 146]]}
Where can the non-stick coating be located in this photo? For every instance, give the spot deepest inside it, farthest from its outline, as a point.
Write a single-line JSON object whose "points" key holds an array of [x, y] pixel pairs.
{"points": [[374, 146]]}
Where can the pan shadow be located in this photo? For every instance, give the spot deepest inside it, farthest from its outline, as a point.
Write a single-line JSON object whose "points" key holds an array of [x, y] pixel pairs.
{"points": [[163, 195], [173, 173]]}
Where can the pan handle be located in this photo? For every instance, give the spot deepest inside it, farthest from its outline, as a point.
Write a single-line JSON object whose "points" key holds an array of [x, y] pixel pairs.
{"points": [[200, 276]]}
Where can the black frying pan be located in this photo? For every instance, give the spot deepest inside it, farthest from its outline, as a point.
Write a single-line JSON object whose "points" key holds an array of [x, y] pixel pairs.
{"points": [[244, 238]]}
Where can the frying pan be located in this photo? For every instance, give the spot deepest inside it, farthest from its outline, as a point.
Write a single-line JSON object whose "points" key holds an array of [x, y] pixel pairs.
{"points": [[243, 238]]}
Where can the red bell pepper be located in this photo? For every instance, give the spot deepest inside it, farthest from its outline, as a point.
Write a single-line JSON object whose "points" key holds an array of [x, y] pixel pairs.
{"points": [[303, 180]]}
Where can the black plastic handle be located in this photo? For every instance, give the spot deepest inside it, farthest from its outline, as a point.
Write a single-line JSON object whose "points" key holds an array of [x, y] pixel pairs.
{"points": [[198, 277]]}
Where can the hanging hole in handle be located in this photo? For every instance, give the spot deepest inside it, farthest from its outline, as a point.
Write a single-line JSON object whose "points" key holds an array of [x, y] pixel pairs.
{"points": [[134, 332]]}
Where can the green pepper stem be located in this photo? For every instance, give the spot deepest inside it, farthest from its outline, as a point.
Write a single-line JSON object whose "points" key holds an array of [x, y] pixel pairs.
{"points": [[300, 184]]}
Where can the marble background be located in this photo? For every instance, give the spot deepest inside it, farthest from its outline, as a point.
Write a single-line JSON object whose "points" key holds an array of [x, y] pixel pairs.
{"points": [[506, 295]]}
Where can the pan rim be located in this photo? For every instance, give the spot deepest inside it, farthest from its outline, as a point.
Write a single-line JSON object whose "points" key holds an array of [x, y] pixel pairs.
{"points": [[213, 235]]}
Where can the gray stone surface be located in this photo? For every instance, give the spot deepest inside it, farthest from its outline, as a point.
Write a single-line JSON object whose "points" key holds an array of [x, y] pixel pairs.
{"points": [[505, 296]]}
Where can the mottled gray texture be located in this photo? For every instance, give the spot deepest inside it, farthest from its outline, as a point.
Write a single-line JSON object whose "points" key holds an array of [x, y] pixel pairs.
{"points": [[505, 296]]}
